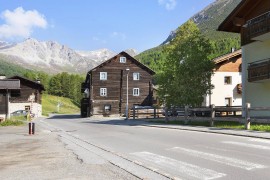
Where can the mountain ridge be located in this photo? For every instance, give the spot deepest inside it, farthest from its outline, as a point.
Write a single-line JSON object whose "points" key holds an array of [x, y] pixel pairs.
{"points": [[53, 57]]}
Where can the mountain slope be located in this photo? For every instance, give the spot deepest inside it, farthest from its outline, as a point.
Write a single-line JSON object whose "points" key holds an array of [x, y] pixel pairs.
{"points": [[52, 57], [207, 21], [48, 56]]}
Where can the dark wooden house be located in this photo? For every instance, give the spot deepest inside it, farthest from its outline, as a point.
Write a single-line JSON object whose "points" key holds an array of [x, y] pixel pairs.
{"points": [[29, 98], [106, 86], [8, 89]]}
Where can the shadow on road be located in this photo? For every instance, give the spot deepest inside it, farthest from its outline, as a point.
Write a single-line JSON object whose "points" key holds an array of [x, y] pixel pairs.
{"points": [[64, 116], [117, 122]]}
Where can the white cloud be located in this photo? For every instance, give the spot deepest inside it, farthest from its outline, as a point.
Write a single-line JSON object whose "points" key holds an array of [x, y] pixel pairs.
{"points": [[169, 4], [119, 35], [20, 23]]}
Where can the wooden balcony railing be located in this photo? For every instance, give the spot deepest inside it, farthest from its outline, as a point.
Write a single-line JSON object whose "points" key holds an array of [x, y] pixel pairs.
{"points": [[259, 70], [255, 27]]}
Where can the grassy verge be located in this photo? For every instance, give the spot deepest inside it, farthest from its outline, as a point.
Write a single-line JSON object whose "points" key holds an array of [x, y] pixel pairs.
{"points": [[219, 124], [14, 121], [49, 105]]}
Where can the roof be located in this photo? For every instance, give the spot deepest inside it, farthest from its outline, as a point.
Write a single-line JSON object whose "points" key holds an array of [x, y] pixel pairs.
{"points": [[130, 57], [11, 84], [228, 56], [28, 80], [237, 17]]}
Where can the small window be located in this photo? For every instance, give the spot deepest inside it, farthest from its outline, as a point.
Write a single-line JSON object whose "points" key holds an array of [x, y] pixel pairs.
{"points": [[228, 80], [136, 76], [228, 101], [136, 91], [103, 91], [27, 108], [107, 107], [103, 75], [123, 59]]}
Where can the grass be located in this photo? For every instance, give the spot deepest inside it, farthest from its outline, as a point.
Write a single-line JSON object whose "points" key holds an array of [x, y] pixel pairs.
{"points": [[49, 105], [219, 124], [14, 121]]}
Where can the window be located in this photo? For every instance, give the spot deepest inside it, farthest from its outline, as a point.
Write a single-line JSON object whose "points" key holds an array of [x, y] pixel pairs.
{"points": [[123, 59], [103, 91], [103, 75], [228, 80], [136, 91], [228, 101], [136, 76], [27, 108]]}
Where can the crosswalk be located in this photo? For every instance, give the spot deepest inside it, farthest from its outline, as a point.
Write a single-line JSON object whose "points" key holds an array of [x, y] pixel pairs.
{"points": [[182, 168]]}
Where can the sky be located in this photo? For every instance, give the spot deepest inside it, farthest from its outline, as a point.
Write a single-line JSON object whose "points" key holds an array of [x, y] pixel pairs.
{"points": [[94, 24]]}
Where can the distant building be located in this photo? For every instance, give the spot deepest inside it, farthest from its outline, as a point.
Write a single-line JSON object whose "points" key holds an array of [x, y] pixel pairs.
{"points": [[227, 79], [8, 88], [251, 19], [29, 98], [105, 87]]}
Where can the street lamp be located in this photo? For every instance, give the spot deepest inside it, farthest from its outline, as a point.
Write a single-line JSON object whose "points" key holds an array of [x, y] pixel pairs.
{"points": [[127, 95]]}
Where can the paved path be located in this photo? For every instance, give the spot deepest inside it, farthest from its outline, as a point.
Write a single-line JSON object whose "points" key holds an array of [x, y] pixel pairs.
{"points": [[44, 156]]}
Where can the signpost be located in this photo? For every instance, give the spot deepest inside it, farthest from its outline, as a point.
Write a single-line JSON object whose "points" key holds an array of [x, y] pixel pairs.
{"points": [[29, 117]]}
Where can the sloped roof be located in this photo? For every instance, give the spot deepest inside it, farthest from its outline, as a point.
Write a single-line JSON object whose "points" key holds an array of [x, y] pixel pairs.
{"points": [[228, 56], [130, 57], [239, 13], [11, 84], [33, 82]]}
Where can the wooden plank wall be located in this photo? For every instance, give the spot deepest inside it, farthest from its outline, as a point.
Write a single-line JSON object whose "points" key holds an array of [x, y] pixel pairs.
{"points": [[116, 85]]}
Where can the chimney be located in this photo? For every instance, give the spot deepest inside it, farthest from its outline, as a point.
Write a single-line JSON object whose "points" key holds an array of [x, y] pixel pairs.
{"points": [[232, 49], [2, 76]]}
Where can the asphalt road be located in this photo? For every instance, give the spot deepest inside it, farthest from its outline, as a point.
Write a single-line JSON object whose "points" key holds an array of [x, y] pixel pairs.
{"points": [[154, 153]]}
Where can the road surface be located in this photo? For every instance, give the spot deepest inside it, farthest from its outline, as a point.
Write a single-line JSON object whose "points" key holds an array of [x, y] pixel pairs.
{"points": [[155, 153]]}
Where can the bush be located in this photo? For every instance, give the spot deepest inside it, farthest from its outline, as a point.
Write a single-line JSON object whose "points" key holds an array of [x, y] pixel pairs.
{"points": [[10, 122]]}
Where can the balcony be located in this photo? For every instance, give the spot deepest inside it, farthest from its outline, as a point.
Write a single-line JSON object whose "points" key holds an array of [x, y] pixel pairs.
{"points": [[259, 71], [256, 29]]}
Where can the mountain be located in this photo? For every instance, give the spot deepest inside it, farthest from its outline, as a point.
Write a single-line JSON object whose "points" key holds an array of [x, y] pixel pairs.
{"points": [[210, 18], [97, 55], [52, 57], [207, 21]]}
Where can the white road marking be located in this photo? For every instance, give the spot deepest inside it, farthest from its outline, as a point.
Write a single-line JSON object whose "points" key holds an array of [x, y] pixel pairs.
{"points": [[260, 140], [220, 159], [247, 145], [182, 168]]}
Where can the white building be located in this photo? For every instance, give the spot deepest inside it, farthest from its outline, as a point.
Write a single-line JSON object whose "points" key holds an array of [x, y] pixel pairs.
{"points": [[227, 81], [251, 19]]}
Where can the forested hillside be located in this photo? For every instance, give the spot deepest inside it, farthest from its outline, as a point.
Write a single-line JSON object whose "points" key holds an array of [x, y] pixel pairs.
{"points": [[10, 69], [62, 84], [207, 21]]}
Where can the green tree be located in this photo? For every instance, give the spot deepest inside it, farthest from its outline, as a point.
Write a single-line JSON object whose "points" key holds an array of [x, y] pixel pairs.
{"points": [[185, 77], [55, 86]]}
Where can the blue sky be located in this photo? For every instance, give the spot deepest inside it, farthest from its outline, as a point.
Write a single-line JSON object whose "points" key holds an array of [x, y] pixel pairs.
{"points": [[94, 24]]}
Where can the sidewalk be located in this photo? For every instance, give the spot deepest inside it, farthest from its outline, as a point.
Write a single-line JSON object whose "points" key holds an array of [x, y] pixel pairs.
{"points": [[44, 156]]}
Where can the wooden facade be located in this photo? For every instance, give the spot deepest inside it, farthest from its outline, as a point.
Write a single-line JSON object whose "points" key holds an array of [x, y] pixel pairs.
{"points": [[252, 20], [8, 89], [27, 88], [108, 94]]}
